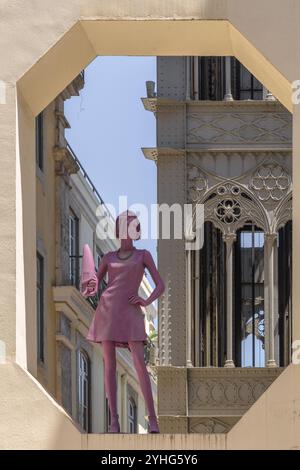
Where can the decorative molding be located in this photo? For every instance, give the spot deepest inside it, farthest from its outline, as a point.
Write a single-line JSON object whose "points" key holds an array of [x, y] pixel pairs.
{"points": [[270, 182], [212, 425], [67, 299], [62, 339], [149, 104], [73, 88], [152, 153], [238, 126], [65, 164], [237, 164], [204, 105], [221, 392], [153, 104]]}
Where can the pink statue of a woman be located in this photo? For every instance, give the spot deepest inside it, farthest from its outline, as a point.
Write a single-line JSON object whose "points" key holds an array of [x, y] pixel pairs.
{"points": [[119, 319]]}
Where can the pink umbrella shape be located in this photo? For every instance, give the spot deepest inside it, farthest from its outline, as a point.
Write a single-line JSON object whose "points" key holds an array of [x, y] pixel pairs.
{"points": [[88, 273]]}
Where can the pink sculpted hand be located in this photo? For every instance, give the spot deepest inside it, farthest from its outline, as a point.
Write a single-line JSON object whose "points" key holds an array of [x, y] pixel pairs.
{"points": [[137, 300]]}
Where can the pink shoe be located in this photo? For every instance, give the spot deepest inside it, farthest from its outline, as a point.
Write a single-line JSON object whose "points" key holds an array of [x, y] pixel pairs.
{"points": [[153, 424], [114, 424]]}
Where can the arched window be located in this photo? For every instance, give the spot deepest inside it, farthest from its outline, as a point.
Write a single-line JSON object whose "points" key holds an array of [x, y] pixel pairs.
{"points": [[249, 298], [132, 415], [84, 381]]}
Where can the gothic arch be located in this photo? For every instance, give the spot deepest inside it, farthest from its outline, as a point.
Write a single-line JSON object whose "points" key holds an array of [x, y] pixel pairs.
{"points": [[283, 213], [229, 206]]}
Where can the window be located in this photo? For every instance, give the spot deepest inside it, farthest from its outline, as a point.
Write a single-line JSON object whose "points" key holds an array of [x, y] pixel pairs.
{"points": [[39, 141], [103, 283], [84, 390], [40, 306], [247, 86], [132, 415], [211, 81], [250, 310], [74, 249]]}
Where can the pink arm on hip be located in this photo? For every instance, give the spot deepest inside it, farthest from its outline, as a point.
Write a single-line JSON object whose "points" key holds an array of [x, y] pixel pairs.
{"points": [[159, 284]]}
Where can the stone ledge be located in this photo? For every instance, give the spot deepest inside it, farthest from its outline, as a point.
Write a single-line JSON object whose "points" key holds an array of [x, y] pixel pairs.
{"points": [[154, 441]]}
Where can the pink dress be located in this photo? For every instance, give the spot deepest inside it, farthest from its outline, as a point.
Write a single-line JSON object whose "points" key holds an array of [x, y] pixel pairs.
{"points": [[115, 318]]}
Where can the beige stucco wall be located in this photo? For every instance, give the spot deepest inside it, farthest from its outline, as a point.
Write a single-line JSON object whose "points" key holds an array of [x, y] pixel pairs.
{"points": [[42, 49], [46, 245], [29, 417], [273, 422]]}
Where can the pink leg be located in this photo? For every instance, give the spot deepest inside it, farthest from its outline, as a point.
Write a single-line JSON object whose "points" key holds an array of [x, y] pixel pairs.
{"points": [[110, 383], [137, 350]]}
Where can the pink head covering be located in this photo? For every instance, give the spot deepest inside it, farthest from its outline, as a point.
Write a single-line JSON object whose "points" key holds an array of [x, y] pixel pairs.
{"points": [[88, 273]]}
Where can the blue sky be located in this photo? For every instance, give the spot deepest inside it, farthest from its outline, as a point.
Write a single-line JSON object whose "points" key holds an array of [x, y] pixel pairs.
{"points": [[109, 125]]}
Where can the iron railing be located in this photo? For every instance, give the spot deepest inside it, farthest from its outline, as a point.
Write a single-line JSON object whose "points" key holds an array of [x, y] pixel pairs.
{"points": [[89, 181]]}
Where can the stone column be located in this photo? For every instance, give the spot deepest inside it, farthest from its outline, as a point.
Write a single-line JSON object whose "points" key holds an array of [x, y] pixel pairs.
{"points": [[189, 312], [229, 239], [269, 258], [188, 78], [228, 93], [197, 307], [171, 191], [172, 266], [196, 78]]}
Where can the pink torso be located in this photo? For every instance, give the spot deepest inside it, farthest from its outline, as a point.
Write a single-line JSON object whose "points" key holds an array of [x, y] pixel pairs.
{"points": [[124, 275], [116, 319]]}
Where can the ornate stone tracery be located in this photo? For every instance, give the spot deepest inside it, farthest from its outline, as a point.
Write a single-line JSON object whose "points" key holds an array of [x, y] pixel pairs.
{"points": [[262, 196], [197, 182], [229, 206], [270, 182]]}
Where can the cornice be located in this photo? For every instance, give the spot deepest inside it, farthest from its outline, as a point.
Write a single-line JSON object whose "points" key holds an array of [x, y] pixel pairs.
{"points": [[64, 162], [70, 301], [152, 153], [73, 88], [154, 105]]}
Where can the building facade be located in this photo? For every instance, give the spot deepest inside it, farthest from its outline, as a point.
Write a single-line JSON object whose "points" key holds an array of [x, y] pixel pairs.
{"points": [[223, 141], [68, 212], [43, 49]]}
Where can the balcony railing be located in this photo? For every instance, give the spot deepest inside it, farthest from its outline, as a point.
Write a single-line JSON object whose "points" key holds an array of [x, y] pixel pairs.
{"points": [[90, 183]]}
